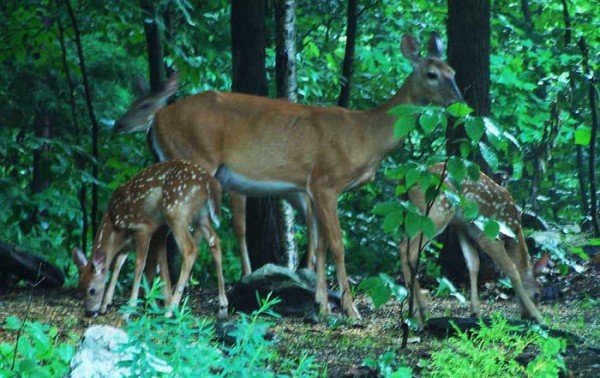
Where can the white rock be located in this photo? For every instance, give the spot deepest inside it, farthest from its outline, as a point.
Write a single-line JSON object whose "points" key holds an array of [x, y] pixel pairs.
{"points": [[97, 355]]}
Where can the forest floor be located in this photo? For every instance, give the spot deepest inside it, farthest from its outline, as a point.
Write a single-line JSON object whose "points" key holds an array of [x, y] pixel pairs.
{"points": [[343, 346]]}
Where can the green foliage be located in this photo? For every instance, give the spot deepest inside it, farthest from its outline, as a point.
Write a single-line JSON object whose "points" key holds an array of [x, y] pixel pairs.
{"points": [[160, 346], [37, 350], [492, 351], [381, 289], [387, 366]]}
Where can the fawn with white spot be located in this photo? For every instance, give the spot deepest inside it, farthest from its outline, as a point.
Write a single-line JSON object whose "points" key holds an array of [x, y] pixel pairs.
{"points": [[508, 250], [176, 194]]}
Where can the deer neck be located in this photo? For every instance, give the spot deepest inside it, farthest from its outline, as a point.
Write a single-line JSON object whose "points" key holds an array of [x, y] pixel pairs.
{"points": [[382, 123]]}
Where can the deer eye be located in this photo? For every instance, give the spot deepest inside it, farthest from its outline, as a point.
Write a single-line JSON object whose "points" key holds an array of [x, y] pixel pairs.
{"points": [[432, 75], [92, 291], [145, 106]]}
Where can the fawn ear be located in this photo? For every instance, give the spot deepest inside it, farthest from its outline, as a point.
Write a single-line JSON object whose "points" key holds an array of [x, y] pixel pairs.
{"points": [[79, 258], [98, 260], [541, 264]]}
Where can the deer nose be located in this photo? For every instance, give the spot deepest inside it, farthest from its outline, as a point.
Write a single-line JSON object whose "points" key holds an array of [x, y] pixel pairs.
{"points": [[91, 314]]}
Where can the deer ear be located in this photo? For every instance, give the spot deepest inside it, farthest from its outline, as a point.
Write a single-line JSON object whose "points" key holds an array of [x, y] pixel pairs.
{"points": [[141, 85], [98, 260], [79, 258], [435, 46], [172, 85], [410, 48]]}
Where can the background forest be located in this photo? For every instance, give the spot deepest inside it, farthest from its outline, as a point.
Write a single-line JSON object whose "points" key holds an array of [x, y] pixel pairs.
{"points": [[71, 68]]}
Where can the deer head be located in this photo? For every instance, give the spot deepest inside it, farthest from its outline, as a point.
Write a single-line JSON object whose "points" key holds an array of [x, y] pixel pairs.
{"points": [[141, 113], [92, 276], [432, 79]]}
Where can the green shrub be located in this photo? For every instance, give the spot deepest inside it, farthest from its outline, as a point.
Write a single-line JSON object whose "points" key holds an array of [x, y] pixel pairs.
{"points": [[186, 346], [36, 352], [492, 351]]}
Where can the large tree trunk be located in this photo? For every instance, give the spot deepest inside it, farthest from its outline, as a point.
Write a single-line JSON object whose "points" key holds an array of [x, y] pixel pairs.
{"points": [[248, 39], [468, 30], [285, 78], [347, 66]]}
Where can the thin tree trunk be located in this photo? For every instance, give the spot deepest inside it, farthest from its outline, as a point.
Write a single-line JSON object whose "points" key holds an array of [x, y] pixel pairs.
{"points": [[574, 114], [526, 15], [285, 78], [248, 39], [592, 148], [40, 179], [154, 45], [79, 159], [90, 110], [347, 66]]}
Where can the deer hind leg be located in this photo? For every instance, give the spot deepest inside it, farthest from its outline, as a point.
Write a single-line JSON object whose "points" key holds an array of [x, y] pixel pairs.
{"points": [[238, 209], [189, 251], [472, 260], [110, 292], [215, 248], [157, 255], [142, 241], [408, 256], [495, 249], [301, 202], [325, 205]]}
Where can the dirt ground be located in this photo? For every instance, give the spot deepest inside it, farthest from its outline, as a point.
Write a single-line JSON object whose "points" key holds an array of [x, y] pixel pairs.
{"points": [[343, 346]]}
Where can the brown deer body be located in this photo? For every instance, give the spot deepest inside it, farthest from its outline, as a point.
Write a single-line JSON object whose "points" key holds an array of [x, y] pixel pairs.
{"points": [[176, 194], [260, 146], [508, 251]]}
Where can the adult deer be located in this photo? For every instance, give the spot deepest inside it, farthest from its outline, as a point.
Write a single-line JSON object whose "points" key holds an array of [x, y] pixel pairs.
{"points": [[260, 146], [508, 251], [177, 194]]}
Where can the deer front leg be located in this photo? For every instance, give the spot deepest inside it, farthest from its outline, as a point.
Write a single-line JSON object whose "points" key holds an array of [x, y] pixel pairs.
{"points": [[215, 248], [472, 260], [495, 249], [409, 254], [142, 241], [110, 292], [325, 204], [238, 209]]}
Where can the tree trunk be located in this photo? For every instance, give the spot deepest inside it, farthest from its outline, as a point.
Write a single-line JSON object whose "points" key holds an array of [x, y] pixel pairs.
{"points": [[468, 28], [592, 148], [526, 15], [347, 66], [575, 114], [154, 45], [285, 78], [248, 39], [469, 54], [91, 113]]}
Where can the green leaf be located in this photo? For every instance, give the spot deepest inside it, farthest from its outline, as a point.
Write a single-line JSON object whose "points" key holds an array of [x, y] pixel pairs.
{"points": [[392, 221], [491, 229], [402, 372], [427, 226], [384, 208], [489, 156], [411, 177], [469, 209], [403, 126], [459, 109], [429, 121], [473, 171], [583, 136], [412, 224], [376, 288], [456, 168], [405, 110], [474, 128]]}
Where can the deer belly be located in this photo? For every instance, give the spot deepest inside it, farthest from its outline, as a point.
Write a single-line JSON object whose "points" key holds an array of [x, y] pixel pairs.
{"points": [[237, 182]]}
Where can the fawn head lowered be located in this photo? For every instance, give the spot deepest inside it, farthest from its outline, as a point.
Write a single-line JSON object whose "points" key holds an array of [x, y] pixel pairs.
{"points": [[432, 80], [92, 276]]}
